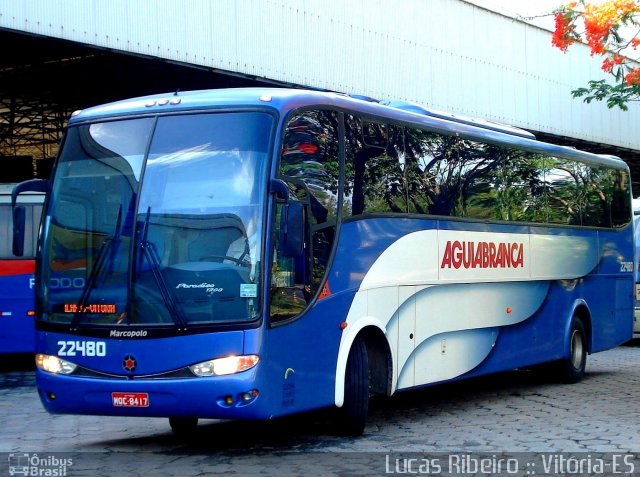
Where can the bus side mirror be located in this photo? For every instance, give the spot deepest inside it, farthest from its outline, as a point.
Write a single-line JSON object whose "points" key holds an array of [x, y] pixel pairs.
{"points": [[291, 237], [292, 229], [19, 212]]}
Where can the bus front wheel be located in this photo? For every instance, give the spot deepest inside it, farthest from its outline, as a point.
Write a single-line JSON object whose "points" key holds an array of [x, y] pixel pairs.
{"points": [[352, 416]]}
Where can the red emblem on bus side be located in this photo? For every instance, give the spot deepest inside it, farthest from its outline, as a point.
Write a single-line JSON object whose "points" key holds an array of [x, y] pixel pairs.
{"points": [[325, 291]]}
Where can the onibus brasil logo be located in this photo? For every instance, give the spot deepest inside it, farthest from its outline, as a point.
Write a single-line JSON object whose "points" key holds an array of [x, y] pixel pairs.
{"points": [[38, 466]]}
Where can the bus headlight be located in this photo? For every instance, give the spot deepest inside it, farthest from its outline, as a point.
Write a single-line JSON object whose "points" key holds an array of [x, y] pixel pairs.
{"points": [[224, 366], [55, 365]]}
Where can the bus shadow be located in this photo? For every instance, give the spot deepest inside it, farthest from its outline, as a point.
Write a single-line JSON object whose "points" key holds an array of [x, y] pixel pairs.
{"points": [[316, 430], [211, 436], [17, 371], [444, 396], [17, 362]]}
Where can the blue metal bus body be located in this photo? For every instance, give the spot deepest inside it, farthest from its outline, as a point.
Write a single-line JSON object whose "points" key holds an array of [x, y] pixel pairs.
{"points": [[17, 329], [430, 298], [636, 226], [17, 308]]}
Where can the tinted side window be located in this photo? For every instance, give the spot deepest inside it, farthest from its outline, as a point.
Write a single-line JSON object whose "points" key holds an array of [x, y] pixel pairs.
{"points": [[310, 165], [583, 194], [620, 198], [568, 184], [431, 167], [374, 168], [396, 169]]}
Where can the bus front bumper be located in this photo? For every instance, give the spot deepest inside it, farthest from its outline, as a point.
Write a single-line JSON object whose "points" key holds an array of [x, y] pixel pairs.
{"points": [[220, 397]]}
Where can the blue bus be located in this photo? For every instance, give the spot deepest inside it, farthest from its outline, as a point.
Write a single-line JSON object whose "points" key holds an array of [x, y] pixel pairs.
{"points": [[254, 253], [636, 226], [17, 309]]}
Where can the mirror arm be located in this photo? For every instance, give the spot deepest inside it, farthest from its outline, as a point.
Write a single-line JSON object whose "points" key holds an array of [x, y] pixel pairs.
{"points": [[280, 189], [18, 211], [33, 185]]}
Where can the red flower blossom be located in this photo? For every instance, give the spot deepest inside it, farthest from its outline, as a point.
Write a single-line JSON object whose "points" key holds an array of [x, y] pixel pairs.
{"points": [[600, 20], [564, 33], [632, 78], [610, 62]]}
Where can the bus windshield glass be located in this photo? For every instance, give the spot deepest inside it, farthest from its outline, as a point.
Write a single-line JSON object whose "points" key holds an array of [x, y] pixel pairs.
{"points": [[157, 221]]}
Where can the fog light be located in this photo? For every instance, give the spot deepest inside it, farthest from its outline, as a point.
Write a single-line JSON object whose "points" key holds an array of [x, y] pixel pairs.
{"points": [[249, 396], [228, 400]]}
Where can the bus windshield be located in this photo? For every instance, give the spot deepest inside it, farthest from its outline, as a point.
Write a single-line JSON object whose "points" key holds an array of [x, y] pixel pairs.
{"points": [[157, 221]]}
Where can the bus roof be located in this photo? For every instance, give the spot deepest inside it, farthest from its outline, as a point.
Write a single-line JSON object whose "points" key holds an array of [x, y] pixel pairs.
{"points": [[285, 100]]}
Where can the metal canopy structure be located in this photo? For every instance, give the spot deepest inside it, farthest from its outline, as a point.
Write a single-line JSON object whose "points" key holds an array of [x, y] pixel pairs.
{"points": [[43, 80]]}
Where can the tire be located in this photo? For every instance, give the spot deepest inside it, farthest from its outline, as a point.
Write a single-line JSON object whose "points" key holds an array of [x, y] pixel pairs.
{"points": [[571, 369], [183, 426], [352, 416]]}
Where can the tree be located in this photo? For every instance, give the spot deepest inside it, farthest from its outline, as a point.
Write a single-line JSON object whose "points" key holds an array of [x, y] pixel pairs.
{"points": [[611, 29]]}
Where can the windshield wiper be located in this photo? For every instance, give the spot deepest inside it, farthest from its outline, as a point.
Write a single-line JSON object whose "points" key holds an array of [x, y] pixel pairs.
{"points": [[106, 250], [150, 252]]}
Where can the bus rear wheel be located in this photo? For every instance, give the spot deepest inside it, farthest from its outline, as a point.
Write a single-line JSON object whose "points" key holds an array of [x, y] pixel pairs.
{"points": [[571, 369], [352, 416], [182, 426]]}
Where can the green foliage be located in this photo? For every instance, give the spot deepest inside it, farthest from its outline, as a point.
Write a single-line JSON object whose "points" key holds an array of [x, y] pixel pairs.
{"points": [[618, 95]]}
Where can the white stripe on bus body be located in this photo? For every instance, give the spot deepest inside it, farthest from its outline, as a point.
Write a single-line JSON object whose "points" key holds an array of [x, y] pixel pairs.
{"points": [[409, 271], [440, 350], [415, 259]]}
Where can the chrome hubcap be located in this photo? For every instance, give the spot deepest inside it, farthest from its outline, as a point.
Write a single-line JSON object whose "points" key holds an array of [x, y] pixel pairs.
{"points": [[577, 349]]}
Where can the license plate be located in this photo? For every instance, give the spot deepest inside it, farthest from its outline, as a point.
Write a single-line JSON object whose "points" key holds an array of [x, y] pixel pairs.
{"points": [[130, 399]]}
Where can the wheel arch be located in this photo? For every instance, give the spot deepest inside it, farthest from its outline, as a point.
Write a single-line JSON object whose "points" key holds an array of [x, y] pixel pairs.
{"points": [[580, 310], [379, 354]]}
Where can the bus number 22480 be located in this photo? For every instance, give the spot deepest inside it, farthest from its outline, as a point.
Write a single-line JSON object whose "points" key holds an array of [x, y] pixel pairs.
{"points": [[82, 348]]}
